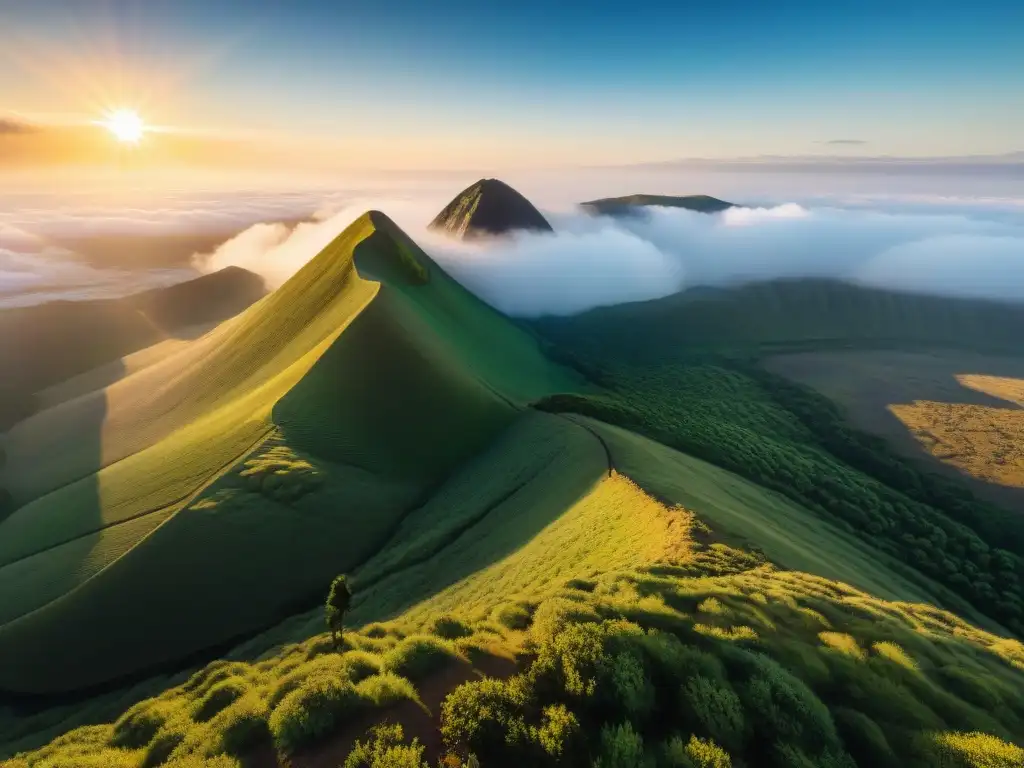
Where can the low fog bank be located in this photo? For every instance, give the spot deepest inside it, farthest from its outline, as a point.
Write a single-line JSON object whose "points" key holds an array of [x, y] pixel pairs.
{"points": [[970, 246], [596, 261]]}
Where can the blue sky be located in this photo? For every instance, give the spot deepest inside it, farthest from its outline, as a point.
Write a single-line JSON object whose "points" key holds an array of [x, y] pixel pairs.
{"points": [[534, 82]]}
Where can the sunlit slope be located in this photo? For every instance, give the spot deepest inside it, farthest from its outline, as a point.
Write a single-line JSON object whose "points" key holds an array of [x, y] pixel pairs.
{"points": [[347, 398]]}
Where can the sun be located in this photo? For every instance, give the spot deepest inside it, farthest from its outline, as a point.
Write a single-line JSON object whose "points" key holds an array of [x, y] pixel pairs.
{"points": [[126, 126]]}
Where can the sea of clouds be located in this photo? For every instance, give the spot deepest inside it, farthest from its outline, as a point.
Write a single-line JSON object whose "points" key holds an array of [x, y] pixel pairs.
{"points": [[958, 247]]}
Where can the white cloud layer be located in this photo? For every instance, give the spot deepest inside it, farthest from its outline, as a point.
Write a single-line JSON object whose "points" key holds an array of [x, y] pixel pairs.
{"points": [[961, 247], [595, 261]]}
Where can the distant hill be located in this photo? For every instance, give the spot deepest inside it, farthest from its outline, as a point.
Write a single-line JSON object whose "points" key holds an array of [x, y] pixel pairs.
{"points": [[489, 207], [615, 206], [785, 314], [47, 343]]}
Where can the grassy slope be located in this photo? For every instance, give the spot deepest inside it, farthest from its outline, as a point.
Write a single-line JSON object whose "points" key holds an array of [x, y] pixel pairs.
{"points": [[749, 515], [380, 413], [48, 343], [608, 551], [789, 314]]}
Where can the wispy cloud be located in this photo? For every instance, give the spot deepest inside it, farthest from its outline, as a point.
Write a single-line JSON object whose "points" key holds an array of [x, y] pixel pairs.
{"points": [[10, 126], [847, 142]]}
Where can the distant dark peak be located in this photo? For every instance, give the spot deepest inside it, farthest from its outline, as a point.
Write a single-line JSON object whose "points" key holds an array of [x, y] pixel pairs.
{"points": [[489, 207], [614, 206]]}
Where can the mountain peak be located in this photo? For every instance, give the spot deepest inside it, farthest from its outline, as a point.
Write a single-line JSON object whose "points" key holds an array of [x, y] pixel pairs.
{"points": [[486, 208]]}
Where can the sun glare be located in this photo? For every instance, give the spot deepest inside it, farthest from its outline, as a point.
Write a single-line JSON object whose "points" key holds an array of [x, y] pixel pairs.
{"points": [[126, 126]]}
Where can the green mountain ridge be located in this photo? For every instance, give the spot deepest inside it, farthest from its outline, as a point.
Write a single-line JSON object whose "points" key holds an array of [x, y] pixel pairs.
{"points": [[617, 206]]}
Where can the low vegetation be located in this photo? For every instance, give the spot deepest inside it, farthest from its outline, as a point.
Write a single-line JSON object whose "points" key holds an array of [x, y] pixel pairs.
{"points": [[715, 659], [790, 440]]}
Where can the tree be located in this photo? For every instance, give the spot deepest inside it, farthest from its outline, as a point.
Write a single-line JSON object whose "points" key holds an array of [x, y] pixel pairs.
{"points": [[338, 601]]}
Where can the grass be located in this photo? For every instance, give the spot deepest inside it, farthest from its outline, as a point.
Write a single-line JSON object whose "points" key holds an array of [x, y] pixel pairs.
{"points": [[785, 315], [753, 659], [343, 398], [794, 442]]}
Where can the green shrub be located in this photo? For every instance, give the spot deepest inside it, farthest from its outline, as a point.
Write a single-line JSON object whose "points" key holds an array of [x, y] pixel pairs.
{"points": [[387, 750], [359, 665], [570, 662], [553, 615], [418, 656], [219, 697], [977, 750], [313, 710], [864, 739], [559, 731], [137, 727], [630, 687], [513, 616], [450, 628], [485, 717], [241, 726], [787, 709], [386, 688], [704, 753], [972, 687], [166, 740], [330, 666], [622, 747], [679, 662], [717, 709], [213, 673]]}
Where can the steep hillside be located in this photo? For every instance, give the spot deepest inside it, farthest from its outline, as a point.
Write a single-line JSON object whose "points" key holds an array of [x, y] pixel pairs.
{"points": [[45, 344], [616, 206], [489, 207], [292, 439], [785, 314]]}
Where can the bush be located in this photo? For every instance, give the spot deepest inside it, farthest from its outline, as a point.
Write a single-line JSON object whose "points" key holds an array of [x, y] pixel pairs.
{"points": [[241, 726], [387, 750], [386, 688], [622, 747], [555, 614], [485, 717], [864, 739], [717, 709], [513, 616], [313, 710], [977, 750], [359, 665], [137, 727], [450, 628], [631, 689], [417, 656], [219, 697], [558, 733], [788, 709], [329, 666], [167, 739], [706, 754]]}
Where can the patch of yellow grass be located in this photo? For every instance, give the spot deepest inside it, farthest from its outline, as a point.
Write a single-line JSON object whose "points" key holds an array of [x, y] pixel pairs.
{"points": [[986, 443], [895, 654], [843, 643]]}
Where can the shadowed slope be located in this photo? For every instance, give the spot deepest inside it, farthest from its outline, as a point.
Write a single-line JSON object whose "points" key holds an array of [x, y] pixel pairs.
{"points": [[786, 314], [42, 345], [489, 207]]}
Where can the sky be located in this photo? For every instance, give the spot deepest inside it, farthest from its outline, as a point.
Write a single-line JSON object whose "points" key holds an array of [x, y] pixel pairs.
{"points": [[462, 84]]}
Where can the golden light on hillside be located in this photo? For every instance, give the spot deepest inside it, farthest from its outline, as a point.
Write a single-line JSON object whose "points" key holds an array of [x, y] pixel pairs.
{"points": [[125, 125]]}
